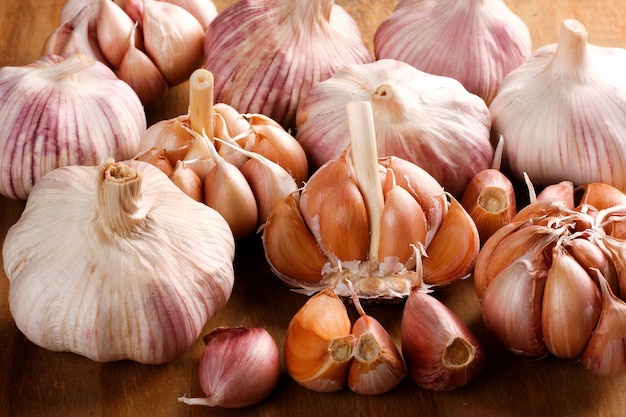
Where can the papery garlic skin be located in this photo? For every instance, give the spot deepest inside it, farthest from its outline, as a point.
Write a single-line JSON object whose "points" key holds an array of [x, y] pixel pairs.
{"points": [[131, 268], [285, 47], [477, 42], [58, 112], [568, 102], [429, 120]]}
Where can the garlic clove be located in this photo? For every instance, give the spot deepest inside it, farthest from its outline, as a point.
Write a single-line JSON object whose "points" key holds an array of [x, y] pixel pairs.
{"points": [[156, 157], [593, 256], [489, 199], [173, 39], [234, 122], [541, 209], [187, 180], [290, 249], [617, 252], [570, 306], [605, 351], [203, 10], [564, 191], [601, 195], [440, 351], [377, 365], [169, 135], [452, 254], [318, 345], [113, 29]]}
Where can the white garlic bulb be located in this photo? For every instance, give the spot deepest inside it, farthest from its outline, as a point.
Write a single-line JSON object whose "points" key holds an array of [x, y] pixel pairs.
{"points": [[116, 262], [477, 42], [563, 113], [429, 120], [268, 64], [57, 112]]}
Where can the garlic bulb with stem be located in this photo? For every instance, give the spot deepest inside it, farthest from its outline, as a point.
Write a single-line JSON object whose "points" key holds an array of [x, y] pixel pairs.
{"points": [[286, 46], [309, 244], [140, 270], [569, 101], [429, 120], [240, 366], [58, 112], [477, 42]]}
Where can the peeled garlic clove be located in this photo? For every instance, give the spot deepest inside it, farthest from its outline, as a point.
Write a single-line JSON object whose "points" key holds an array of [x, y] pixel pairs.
{"points": [[318, 345], [512, 305], [570, 307], [605, 351], [129, 293], [452, 254], [240, 366], [284, 48], [428, 120], [482, 41], [601, 196], [173, 39], [440, 351], [290, 249], [187, 180], [377, 365], [489, 199], [84, 114], [531, 112]]}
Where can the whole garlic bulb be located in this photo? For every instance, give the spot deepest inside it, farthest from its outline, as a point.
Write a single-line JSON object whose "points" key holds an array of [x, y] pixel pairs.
{"points": [[429, 120], [477, 42], [115, 262], [57, 112], [285, 47], [568, 102]]}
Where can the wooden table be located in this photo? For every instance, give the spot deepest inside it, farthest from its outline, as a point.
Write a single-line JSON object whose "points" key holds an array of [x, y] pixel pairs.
{"points": [[35, 382]]}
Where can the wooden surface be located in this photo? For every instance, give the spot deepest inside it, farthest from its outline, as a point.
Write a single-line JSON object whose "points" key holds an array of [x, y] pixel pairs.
{"points": [[35, 382]]}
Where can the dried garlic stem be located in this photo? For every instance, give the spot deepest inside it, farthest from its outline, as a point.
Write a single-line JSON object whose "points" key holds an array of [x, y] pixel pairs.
{"points": [[119, 202], [201, 101], [570, 57], [365, 159]]}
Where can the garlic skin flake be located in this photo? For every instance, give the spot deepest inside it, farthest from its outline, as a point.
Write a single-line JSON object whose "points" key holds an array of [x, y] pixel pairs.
{"points": [[116, 262], [285, 47], [429, 120], [482, 40], [568, 102], [57, 112]]}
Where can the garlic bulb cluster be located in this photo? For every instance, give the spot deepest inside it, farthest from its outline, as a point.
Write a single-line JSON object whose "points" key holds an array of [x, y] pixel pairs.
{"points": [[240, 366], [285, 47], [477, 42], [241, 165], [385, 213], [568, 102], [552, 280], [324, 352], [56, 112], [151, 44], [129, 267], [430, 120]]}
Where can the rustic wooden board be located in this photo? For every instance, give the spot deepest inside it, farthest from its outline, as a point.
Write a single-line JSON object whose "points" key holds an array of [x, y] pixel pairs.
{"points": [[35, 382]]}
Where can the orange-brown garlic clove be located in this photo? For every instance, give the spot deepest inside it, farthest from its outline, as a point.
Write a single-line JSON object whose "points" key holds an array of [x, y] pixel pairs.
{"points": [[601, 195], [563, 191], [590, 255], [188, 181]]}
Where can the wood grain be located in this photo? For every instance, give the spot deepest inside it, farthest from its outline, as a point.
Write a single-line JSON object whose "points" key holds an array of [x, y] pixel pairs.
{"points": [[35, 382]]}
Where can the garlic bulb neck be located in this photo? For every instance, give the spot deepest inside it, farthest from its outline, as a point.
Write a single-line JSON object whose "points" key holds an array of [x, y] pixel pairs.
{"points": [[66, 69], [308, 14], [570, 58], [119, 202]]}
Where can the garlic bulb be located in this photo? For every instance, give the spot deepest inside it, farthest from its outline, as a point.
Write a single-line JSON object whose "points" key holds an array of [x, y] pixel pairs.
{"points": [[138, 270], [245, 163], [385, 212], [426, 119], [568, 101], [285, 47], [477, 42], [57, 112], [240, 366], [553, 280]]}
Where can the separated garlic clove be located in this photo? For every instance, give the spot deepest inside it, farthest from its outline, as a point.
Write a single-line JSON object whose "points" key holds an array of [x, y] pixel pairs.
{"points": [[187, 180], [440, 351], [173, 39], [451, 256], [542, 104], [129, 293], [240, 366], [601, 196], [563, 191], [605, 352], [570, 306], [318, 345]]}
